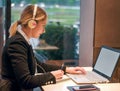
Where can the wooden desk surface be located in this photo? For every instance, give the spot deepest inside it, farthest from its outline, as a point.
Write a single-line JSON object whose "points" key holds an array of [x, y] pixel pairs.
{"points": [[109, 87], [62, 85]]}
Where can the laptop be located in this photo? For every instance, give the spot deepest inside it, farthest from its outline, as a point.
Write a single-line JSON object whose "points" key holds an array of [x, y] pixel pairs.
{"points": [[103, 68]]}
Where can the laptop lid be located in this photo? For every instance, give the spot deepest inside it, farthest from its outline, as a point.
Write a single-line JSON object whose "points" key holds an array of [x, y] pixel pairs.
{"points": [[106, 61]]}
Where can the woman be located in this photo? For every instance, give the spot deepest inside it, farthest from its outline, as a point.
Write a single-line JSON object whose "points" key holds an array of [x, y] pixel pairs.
{"points": [[18, 61]]}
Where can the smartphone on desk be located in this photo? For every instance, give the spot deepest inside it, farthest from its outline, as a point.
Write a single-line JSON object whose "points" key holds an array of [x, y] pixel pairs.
{"points": [[85, 88]]}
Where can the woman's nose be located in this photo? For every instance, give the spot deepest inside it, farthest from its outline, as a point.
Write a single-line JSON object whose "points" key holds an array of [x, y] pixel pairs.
{"points": [[43, 30]]}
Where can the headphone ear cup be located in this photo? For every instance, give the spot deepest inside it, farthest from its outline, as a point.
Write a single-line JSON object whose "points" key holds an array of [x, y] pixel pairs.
{"points": [[32, 24]]}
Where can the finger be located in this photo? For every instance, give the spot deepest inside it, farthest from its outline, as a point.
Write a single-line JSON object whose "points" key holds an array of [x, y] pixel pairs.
{"points": [[62, 72], [80, 70], [59, 76], [83, 71]]}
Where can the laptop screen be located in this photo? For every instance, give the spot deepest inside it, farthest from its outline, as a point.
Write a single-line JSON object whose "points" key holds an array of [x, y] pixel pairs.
{"points": [[106, 61]]}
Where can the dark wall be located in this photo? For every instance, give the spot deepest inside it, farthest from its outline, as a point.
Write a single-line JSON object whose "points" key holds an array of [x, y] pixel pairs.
{"points": [[1, 33], [107, 28], [107, 23]]}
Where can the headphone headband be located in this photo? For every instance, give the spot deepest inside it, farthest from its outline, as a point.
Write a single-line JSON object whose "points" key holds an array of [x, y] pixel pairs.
{"points": [[32, 23], [35, 10]]}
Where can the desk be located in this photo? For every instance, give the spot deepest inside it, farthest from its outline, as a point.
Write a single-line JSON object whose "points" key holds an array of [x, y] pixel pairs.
{"points": [[62, 86], [46, 48]]}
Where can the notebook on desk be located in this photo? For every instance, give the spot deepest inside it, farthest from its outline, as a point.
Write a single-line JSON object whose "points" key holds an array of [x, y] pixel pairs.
{"points": [[103, 68], [64, 78]]}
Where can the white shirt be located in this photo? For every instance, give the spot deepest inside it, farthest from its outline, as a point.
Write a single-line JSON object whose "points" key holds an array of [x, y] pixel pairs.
{"points": [[23, 34]]}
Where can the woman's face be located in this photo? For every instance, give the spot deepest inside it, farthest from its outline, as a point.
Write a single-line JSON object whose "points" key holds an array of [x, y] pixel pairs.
{"points": [[40, 29]]}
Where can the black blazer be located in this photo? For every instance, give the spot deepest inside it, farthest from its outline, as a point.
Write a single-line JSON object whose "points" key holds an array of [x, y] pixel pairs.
{"points": [[18, 65]]}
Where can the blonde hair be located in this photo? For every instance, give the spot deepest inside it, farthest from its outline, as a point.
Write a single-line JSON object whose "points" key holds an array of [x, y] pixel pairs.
{"points": [[26, 15]]}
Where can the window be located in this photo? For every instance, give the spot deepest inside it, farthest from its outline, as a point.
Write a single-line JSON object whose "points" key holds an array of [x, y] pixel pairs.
{"points": [[2, 33], [63, 25]]}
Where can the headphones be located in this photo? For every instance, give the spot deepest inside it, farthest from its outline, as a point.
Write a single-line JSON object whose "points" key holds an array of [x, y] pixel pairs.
{"points": [[32, 22]]}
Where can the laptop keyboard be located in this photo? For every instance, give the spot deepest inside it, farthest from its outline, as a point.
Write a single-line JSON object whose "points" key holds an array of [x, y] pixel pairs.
{"points": [[90, 77], [93, 77]]}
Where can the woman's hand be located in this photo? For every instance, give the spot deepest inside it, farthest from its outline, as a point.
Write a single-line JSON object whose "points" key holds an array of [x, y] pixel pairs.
{"points": [[75, 70], [58, 74]]}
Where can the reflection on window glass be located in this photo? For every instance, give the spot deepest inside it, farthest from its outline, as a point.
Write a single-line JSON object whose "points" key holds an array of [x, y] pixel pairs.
{"points": [[2, 30], [60, 42]]}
